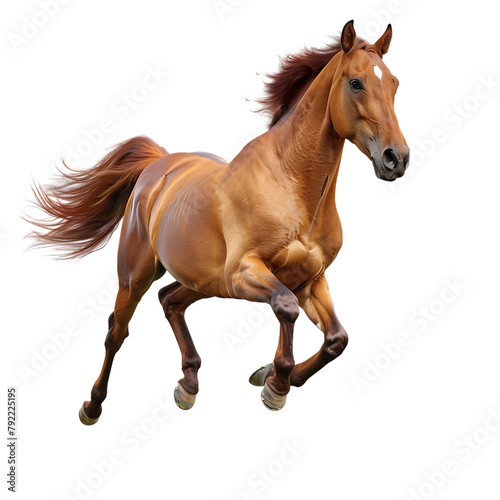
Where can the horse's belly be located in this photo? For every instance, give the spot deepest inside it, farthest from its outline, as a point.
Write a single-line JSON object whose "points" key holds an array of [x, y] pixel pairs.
{"points": [[193, 257]]}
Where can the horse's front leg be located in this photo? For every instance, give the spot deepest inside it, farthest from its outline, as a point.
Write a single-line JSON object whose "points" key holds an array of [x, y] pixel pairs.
{"points": [[317, 304], [254, 281]]}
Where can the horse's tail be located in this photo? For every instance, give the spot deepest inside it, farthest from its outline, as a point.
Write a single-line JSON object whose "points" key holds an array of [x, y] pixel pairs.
{"points": [[85, 207]]}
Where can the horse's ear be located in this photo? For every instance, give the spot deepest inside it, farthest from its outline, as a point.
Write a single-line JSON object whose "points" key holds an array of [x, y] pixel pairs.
{"points": [[348, 36], [385, 40]]}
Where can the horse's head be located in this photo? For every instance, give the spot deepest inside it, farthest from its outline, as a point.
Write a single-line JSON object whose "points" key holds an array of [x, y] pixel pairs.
{"points": [[362, 104]]}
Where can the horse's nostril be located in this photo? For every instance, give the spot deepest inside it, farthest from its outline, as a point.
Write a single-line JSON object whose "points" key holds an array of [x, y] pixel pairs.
{"points": [[406, 160], [390, 159]]}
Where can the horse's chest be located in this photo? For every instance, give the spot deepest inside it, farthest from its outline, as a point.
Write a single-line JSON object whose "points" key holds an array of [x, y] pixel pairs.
{"points": [[297, 263]]}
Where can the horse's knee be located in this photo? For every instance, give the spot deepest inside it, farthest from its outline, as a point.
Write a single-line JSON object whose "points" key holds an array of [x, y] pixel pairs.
{"points": [[285, 306], [335, 343]]}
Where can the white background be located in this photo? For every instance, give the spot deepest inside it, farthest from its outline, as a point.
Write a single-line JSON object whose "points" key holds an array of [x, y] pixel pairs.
{"points": [[404, 243]]}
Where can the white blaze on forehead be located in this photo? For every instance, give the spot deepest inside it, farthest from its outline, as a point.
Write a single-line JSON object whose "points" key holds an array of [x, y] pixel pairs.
{"points": [[378, 72]]}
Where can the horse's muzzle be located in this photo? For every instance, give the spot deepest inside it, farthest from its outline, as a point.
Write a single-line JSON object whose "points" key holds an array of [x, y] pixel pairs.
{"points": [[392, 164]]}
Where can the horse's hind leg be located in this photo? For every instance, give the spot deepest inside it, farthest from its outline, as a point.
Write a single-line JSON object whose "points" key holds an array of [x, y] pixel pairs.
{"points": [[175, 299], [137, 269]]}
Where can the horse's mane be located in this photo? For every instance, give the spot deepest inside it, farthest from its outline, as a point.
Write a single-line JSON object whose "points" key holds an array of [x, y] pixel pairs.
{"points": [[295, 74]]}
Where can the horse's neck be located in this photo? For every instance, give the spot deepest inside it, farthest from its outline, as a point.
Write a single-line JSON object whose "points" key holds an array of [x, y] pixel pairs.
{"points": [[310, 147]]}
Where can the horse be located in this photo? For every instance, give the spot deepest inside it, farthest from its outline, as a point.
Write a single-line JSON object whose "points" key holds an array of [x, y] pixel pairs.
{"points": [[263, 227]]}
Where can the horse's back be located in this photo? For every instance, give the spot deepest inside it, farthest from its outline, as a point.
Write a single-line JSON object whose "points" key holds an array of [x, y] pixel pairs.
{"points": [[174, 163], [211, 156]]}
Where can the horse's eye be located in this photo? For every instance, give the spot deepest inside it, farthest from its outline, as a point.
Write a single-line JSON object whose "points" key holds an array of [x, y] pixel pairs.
{"points": [[356, 85]]}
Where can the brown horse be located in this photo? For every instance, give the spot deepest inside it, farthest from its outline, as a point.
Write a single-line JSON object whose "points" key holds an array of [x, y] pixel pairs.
{"points": [[263, 227]]}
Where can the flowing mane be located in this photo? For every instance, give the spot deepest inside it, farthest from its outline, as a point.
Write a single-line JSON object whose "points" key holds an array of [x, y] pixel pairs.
{"points": [[295, 74]]}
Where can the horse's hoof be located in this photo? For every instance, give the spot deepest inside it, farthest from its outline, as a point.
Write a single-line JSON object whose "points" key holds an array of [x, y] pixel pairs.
{"points": [[184, 399], [271, 399], [85, 419], [259, 376]]}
